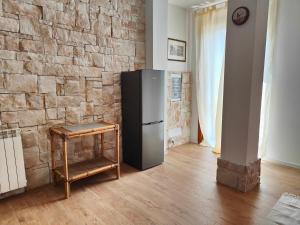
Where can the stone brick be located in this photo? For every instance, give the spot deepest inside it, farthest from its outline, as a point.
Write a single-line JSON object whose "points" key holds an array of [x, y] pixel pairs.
{"points": [[62, 34], [123, 47], [79, 51], [34, 101], [140, 51], [50, 47], [9, 117], [31, 46], [98, 3], [108, 95], [90, 71], [239, 177], [65, 50], [102, 26], [72, 87], [59, 60], [2, 42], [67, 18], [31, 157], [82, 17], [136, 35], [5, 54], [61, 113], [92, 48], [51, 114], [98, 110], [82, 38], [50, 100], [12, 102], [94, 95], [49, 11], [11, 66], [22, 83], [179, 116], [98, 59], [29, 26], [46, 31], [29, 138], [38, 176], [64, 47], [47, 84], [17, 7], [87, 109], [68, 101], [107, 78], [34, 67], [2, 81], [31, 118], [28, 56], [73, 115], [9, 24], [83, 61], [118, 30]]}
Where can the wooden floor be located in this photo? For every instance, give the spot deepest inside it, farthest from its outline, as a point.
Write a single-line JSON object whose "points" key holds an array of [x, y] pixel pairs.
{"points": [[181, 191]]}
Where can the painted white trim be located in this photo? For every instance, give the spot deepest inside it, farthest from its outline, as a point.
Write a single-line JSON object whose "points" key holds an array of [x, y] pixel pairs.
{"points": [[282, 163]]}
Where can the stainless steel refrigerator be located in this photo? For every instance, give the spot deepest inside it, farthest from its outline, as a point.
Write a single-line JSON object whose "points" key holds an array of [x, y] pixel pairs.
{"points": [[143, 118]]}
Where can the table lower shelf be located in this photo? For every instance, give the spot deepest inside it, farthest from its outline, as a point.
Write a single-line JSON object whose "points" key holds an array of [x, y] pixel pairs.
{"points": [[87, 168]]}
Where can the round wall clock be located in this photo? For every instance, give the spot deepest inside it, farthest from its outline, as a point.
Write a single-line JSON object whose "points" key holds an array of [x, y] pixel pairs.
{"points": [[240, 15]]}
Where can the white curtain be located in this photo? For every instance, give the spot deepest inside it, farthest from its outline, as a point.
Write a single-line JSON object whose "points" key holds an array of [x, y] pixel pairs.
{"points": [[268, 74], [210, 35]]}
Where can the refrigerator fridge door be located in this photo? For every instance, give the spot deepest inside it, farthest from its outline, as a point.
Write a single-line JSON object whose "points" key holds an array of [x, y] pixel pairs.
{"points": [[152, 96], [152, 145]]}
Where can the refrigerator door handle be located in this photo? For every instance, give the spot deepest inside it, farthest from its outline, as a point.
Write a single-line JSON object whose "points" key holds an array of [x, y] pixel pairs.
{"points": [[152, 123]]}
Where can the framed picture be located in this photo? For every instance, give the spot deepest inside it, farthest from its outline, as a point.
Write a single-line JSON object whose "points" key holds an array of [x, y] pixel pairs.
{"points": [[176, 87], [176, 50]]}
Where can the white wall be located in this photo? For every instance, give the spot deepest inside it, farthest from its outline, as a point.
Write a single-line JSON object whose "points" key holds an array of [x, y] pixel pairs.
{"points": [[180, 25], [156, 13], [284, 142], [194, 119], [177, 29]]}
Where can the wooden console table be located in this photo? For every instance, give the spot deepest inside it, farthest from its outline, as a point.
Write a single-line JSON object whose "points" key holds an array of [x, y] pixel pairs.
{"points": [[70, 173]]}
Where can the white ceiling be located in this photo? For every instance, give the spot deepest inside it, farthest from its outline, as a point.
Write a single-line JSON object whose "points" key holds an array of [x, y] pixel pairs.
{"points": [[190, 3]]}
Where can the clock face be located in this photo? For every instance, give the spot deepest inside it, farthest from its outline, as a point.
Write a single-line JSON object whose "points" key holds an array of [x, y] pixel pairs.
{"points": [[240, 15]]}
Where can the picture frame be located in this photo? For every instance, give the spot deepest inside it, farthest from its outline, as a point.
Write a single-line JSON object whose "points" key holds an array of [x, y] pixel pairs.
{"points": [[176, 50], [176, 82]]}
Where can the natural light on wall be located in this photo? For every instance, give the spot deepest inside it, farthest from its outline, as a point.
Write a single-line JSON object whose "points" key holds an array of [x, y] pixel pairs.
{"points": [[268, 74]]}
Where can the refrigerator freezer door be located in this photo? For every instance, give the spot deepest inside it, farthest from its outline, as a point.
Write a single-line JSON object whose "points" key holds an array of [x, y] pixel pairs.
{"points": [[153, 145], [152, 96]]}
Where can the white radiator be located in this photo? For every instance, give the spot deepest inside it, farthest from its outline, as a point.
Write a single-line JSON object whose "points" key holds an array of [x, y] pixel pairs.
{"points": [[12, 169]]}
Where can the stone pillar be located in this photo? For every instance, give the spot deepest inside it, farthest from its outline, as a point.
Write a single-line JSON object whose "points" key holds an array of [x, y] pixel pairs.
{"points": [[238, 166]]}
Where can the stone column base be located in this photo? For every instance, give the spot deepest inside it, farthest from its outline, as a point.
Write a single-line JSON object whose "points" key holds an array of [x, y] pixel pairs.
{"points": [[241, 178]]}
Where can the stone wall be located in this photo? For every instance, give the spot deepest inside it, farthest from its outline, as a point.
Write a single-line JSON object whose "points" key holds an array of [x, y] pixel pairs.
{"points": [[179, 112], [60, 62]]}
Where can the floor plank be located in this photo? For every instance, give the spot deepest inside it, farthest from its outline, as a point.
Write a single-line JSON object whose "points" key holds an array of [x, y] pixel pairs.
{"points": [[181, 191]]}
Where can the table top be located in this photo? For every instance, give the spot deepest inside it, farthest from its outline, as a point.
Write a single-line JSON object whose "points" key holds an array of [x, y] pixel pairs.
{"points": [[82, 129]]}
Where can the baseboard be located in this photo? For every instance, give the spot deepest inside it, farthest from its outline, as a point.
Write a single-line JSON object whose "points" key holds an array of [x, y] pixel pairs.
{"points": [[282, 163]]}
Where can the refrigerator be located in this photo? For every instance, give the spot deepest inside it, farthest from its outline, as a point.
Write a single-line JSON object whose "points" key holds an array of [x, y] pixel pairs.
{"points": [[143, 118]]}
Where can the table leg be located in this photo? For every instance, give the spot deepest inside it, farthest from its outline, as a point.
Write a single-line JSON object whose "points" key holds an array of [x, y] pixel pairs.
{"points": [[96, 146], [53, 159], [118, 151], [102, 144], [66, 171]]}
